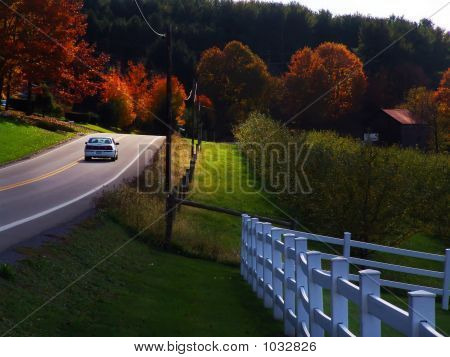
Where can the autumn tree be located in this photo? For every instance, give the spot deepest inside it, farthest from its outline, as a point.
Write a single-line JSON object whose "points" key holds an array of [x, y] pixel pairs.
{"points": [[432, 107], [325, 83], [128, 96], [443, 102], [119, 109], [236, 80], [207, 114], [157, 113], [46, 43]]}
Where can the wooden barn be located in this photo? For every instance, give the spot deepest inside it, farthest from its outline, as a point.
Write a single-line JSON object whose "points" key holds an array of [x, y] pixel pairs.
{"points": [[397, 126]]}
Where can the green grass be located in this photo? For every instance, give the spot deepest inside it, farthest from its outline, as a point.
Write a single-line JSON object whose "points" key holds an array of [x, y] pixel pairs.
{"points": [[19, 140], [96, 128], [140, 291], [222, 179]]}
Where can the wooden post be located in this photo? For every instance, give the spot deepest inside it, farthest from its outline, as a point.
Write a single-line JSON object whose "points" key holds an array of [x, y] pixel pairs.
{"points": [[314, 293], [258, 256], [339, 304], [277, 282], [267, 269], [421, 309], [369, 284], [169, 122], [347, 244], [446, 283], [289, 273], [245, 217], [194, 97], [266, 227], [254, 222], [301, 247]]}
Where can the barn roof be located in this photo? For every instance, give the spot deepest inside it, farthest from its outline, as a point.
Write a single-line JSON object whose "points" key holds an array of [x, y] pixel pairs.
{"points": [[403, 116]]}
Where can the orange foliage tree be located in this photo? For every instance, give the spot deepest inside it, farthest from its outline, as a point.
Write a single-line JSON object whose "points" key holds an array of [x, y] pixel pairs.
{"points": [[236, 80], [157, 113], [129, 94], [331, 71]]}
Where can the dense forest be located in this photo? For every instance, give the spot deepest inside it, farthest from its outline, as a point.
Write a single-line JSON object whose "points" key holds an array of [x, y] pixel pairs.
{"points": [[274, 32]]}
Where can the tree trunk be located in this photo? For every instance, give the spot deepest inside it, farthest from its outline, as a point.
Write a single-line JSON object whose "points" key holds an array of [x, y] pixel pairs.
{"points": [[30, 98], [8, 91], [1, 86]]}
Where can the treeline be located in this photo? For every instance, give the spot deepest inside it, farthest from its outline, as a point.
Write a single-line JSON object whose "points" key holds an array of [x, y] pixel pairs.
{"points": [[334, 184], [274, 32]]}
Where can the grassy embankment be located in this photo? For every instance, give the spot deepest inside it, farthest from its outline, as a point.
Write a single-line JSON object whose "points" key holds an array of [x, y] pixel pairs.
{"points": [[22, 136]]}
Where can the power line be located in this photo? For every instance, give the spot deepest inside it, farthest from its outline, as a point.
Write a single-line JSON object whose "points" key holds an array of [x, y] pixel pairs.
{"points": [[148, 23]]}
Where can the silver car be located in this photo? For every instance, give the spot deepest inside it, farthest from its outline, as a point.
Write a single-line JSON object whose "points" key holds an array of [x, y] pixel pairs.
{"points": [[101, 147]]}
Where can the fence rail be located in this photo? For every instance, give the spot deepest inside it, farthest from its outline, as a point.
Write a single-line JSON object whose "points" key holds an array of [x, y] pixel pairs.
{"points": [[290, 280]]}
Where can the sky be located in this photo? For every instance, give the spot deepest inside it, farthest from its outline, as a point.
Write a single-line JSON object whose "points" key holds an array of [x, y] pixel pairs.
{"points": [[414, 10]]}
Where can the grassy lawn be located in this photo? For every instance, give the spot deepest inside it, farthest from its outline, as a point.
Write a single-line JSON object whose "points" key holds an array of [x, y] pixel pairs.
{"points": [[222, 179], [96, 128], [18, 140], [140, 291]]}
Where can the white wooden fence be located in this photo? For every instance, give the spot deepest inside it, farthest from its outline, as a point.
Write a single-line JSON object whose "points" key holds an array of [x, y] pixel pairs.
{"points": [[290, 280]]}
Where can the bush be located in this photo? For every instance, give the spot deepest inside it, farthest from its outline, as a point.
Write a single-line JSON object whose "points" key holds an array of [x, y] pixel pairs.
{"points": [[82, 117], [45, 104], [6, 272], [115, 113], [379, 194]]}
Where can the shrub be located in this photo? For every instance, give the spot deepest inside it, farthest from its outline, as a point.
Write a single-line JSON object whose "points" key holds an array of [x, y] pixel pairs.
{"points": [[6, 272], [379, 194]]}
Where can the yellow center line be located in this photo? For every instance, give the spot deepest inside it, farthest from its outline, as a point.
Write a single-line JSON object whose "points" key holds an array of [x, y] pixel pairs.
{"points": [[40, 178], [47, 175]]}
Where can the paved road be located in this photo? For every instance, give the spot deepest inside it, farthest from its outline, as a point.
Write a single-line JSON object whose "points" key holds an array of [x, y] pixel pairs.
{"points": [[57, 186]]}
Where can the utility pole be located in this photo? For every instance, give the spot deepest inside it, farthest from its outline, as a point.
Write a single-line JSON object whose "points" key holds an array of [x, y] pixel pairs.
{"points": [[194, 95], [169, 122]]}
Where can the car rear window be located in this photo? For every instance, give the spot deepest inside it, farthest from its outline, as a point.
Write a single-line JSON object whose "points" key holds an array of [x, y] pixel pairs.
{"points": [[100, 141]]}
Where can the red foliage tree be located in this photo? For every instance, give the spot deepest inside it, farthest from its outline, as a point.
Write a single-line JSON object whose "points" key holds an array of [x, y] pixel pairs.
{"points": [[44, 39]]}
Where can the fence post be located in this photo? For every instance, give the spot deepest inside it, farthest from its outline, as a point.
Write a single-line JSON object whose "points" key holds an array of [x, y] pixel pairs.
{"points": [[245, 217], [277, 283], [314, 293], [252, 241], [258, 230], [446, 284], [252, 265], [289, 273], [421, 308], [267, 254], [301, 247], [339, 304], [369, 284], [347, 244]]}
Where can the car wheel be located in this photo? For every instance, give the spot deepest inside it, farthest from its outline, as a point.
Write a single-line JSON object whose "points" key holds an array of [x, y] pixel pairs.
{"points": [[113, 158], [87, 158]]}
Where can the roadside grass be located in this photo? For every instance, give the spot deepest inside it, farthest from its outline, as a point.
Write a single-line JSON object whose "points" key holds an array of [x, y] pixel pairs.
{"points": [[18, 139], [23, 135], [222, 178], [139, 291], [96, 128]]}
